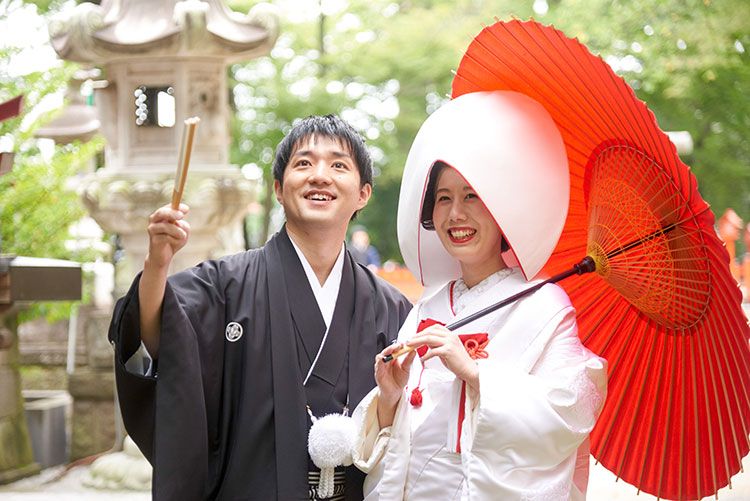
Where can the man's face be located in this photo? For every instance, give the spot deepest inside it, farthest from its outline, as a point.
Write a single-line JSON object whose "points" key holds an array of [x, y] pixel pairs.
{"points": [[321, 187]]}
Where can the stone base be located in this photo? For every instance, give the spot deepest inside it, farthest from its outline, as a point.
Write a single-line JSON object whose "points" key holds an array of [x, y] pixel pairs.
{"points": [[16, 455], [9, 476], [126, 470], [93, 423]]}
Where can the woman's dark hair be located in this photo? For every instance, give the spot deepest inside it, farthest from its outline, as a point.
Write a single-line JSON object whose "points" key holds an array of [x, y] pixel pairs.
{"points": [[330, 126], [428, 204]]}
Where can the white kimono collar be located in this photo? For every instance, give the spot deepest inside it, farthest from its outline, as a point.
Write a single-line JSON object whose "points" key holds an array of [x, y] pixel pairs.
{"points": [[326, 294]]}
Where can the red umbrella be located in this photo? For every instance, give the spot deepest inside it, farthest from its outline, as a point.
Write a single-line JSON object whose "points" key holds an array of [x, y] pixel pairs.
{"points": [[662, 307]]}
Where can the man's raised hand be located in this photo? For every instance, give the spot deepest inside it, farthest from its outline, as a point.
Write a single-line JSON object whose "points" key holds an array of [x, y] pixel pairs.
{"points": [[167, 233]]}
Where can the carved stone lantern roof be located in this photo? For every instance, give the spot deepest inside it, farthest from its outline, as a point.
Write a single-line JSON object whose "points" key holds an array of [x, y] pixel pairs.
{"points": [[79, 120], [133, 28]]}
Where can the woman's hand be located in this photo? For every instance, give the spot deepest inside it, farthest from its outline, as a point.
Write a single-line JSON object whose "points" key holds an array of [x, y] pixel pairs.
{"points": [[391, 378], [448, 347]]}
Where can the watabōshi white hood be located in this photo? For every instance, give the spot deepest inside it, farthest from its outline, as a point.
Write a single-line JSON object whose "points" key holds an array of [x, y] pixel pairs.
{"points": [[509, 150]]}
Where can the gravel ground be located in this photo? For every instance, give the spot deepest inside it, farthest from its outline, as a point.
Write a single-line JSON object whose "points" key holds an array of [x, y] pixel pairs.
{"points": [[603, 486], [46, 486]]}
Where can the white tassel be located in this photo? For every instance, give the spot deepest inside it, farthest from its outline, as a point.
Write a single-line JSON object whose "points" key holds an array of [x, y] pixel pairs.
{"points": [[325, 483], [330, 444]]}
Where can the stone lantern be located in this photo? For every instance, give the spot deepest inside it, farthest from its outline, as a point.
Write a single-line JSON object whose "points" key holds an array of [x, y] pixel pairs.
{"points": [[165, 61]]}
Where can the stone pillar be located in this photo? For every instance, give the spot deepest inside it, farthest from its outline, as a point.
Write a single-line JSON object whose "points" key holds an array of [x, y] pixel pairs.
{"points": [[93, 427], [94, 420], [16, 455]]}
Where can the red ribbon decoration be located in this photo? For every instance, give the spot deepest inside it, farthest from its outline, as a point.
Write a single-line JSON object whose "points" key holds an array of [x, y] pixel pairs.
{"points": [[474, 345]]}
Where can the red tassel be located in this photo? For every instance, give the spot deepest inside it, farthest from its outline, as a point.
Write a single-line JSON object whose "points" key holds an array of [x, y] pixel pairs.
{"points": [[416, 398], [416, 394]]}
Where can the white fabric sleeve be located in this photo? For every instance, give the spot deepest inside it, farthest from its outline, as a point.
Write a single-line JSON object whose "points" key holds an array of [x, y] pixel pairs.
{"points": [[522, 422], [140, 363], [371, 442]]}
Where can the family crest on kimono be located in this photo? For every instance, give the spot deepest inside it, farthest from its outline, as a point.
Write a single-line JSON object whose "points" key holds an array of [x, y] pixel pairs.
{"points": [[502, 407]]}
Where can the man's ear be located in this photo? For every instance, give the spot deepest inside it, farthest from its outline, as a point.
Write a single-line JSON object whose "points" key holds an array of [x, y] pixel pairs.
{"points": [[364, 195], [278, 190]]}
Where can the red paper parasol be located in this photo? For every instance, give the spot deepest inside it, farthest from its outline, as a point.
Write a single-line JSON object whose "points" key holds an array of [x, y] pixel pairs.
{"points": [[662, 307]]}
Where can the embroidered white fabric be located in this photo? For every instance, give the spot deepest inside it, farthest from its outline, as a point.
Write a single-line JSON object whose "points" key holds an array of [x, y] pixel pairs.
{"points": [[550, 492], [464, 296]]}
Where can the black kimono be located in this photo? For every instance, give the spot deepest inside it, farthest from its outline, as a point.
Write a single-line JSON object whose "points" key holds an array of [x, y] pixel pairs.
{"points": [[227, 418]]}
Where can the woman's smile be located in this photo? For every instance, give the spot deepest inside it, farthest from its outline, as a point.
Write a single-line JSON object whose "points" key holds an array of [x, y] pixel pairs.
{"points": [[461, 235]]}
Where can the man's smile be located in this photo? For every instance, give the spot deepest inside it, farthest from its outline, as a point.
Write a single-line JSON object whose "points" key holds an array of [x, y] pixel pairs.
{"points": [[321, 196]]}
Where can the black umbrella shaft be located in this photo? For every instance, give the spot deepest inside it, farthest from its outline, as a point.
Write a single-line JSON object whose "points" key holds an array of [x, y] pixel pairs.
{"points": [[641, 240], [586, 265]]}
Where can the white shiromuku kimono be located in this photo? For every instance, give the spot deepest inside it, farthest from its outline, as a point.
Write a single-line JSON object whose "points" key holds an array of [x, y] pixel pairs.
{"points": [[523, 436]]}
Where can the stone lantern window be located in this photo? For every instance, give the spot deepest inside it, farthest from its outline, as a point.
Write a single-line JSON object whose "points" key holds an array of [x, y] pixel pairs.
{"points": [[154, 106]]}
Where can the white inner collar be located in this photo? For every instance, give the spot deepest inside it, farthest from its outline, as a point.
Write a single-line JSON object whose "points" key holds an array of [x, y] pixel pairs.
{"points": [[464, 296], [326, 294]]}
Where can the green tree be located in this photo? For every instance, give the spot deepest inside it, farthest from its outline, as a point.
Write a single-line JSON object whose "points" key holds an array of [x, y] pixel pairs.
{"points": [[686, 58], [37, 202], [378, 64]]}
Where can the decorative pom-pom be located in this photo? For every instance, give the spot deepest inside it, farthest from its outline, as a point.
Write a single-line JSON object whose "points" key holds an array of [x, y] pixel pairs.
{"points": [[330, 443], [416, 398]]}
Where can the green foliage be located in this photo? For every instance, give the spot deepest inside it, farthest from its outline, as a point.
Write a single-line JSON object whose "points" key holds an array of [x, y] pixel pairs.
{"points": [[38, 204], [686, 58], [37, 209], [44, 6], [378, 65]]}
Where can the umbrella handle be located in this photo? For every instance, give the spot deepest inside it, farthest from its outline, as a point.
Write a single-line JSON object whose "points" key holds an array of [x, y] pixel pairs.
{"points": [[586, 265]]}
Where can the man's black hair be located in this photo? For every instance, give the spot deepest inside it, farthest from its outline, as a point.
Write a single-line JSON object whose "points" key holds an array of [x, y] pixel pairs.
{"points": [[330, 126], [428, 204]]}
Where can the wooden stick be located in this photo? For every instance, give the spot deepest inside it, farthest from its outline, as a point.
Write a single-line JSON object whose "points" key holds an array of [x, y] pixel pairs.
{"points": [[396, 354], [188, 132]]}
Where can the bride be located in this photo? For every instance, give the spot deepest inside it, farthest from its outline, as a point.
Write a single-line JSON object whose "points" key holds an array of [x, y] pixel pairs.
{"points": [[502, 407]]}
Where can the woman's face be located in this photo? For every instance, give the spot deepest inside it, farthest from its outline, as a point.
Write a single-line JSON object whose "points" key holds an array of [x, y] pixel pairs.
{"points": [[465, 227]]}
